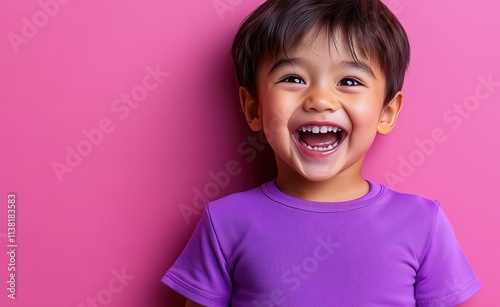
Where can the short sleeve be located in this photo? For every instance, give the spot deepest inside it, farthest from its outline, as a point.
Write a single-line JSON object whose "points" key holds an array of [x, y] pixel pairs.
{"points": [[201, 272], [445, 277]]}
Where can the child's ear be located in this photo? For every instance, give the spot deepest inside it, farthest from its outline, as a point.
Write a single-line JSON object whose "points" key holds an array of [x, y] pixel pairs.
{"points": [[251, 109], [390, 114]]}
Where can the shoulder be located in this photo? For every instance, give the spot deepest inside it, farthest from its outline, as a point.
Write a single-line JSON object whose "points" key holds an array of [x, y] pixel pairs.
{"points": [[237, 210], [237, 201], [412, 204], [411, 214], [417, 219], [232, 218]]}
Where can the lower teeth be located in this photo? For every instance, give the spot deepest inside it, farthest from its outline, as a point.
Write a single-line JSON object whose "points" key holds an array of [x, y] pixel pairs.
{"points": [[320, 148]]}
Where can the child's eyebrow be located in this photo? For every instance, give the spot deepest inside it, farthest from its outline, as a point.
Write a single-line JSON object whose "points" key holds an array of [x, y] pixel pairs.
{"points": [[357, 65], [285, 62]]}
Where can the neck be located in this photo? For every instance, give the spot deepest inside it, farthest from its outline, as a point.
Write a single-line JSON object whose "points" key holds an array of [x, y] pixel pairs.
{"points": [[347, 185]]}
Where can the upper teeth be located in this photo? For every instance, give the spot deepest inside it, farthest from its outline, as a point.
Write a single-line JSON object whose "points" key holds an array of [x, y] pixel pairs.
{"points": [[320, 129]]}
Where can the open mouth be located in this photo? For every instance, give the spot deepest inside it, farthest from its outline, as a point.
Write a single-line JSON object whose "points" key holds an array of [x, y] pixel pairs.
{"points": [[321, 138]]}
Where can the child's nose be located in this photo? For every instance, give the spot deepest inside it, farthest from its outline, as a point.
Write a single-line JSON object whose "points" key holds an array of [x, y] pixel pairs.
{"points": [[321, 99]]}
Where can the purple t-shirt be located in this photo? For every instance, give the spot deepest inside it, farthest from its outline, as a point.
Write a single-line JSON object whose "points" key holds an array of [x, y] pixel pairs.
{"points": [[265, 248]]}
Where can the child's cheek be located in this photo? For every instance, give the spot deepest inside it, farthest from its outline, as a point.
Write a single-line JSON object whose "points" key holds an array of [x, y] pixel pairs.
{"points": [[274, 127], [365, 115]]}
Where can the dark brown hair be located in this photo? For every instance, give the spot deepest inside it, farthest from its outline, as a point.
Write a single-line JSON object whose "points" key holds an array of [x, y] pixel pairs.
{"points": [[368, 27]]}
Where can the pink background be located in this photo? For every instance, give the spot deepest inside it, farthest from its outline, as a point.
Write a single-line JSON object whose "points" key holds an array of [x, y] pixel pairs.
{"points": [[116, 211]]}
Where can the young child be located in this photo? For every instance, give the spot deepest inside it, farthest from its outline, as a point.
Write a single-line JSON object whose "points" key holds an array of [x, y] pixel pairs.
{"points": [[322, 78]]}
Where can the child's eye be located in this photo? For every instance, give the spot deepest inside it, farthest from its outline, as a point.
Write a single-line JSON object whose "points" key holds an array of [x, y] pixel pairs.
{"points": [[349, 82], [293, 79]]}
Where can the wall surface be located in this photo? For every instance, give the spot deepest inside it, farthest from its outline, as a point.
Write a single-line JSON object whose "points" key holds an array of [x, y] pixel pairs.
{"points": [[118, 116]]}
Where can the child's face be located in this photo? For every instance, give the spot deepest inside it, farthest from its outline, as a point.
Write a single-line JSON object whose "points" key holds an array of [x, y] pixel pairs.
{"points": [[320, 109]]}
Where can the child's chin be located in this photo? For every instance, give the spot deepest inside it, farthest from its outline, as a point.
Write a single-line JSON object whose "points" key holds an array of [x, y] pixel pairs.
{"points": [[315, 176]]}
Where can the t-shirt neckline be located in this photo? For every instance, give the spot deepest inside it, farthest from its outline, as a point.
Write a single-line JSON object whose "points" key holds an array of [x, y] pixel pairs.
{"points": [[374, 194]]}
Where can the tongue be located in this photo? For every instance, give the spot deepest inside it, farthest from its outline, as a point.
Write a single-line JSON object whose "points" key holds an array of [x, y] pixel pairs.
{"points": [[319, 139]]}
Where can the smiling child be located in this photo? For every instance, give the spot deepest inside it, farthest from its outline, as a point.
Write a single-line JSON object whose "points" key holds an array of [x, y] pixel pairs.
{"points": [[322, 79]]}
